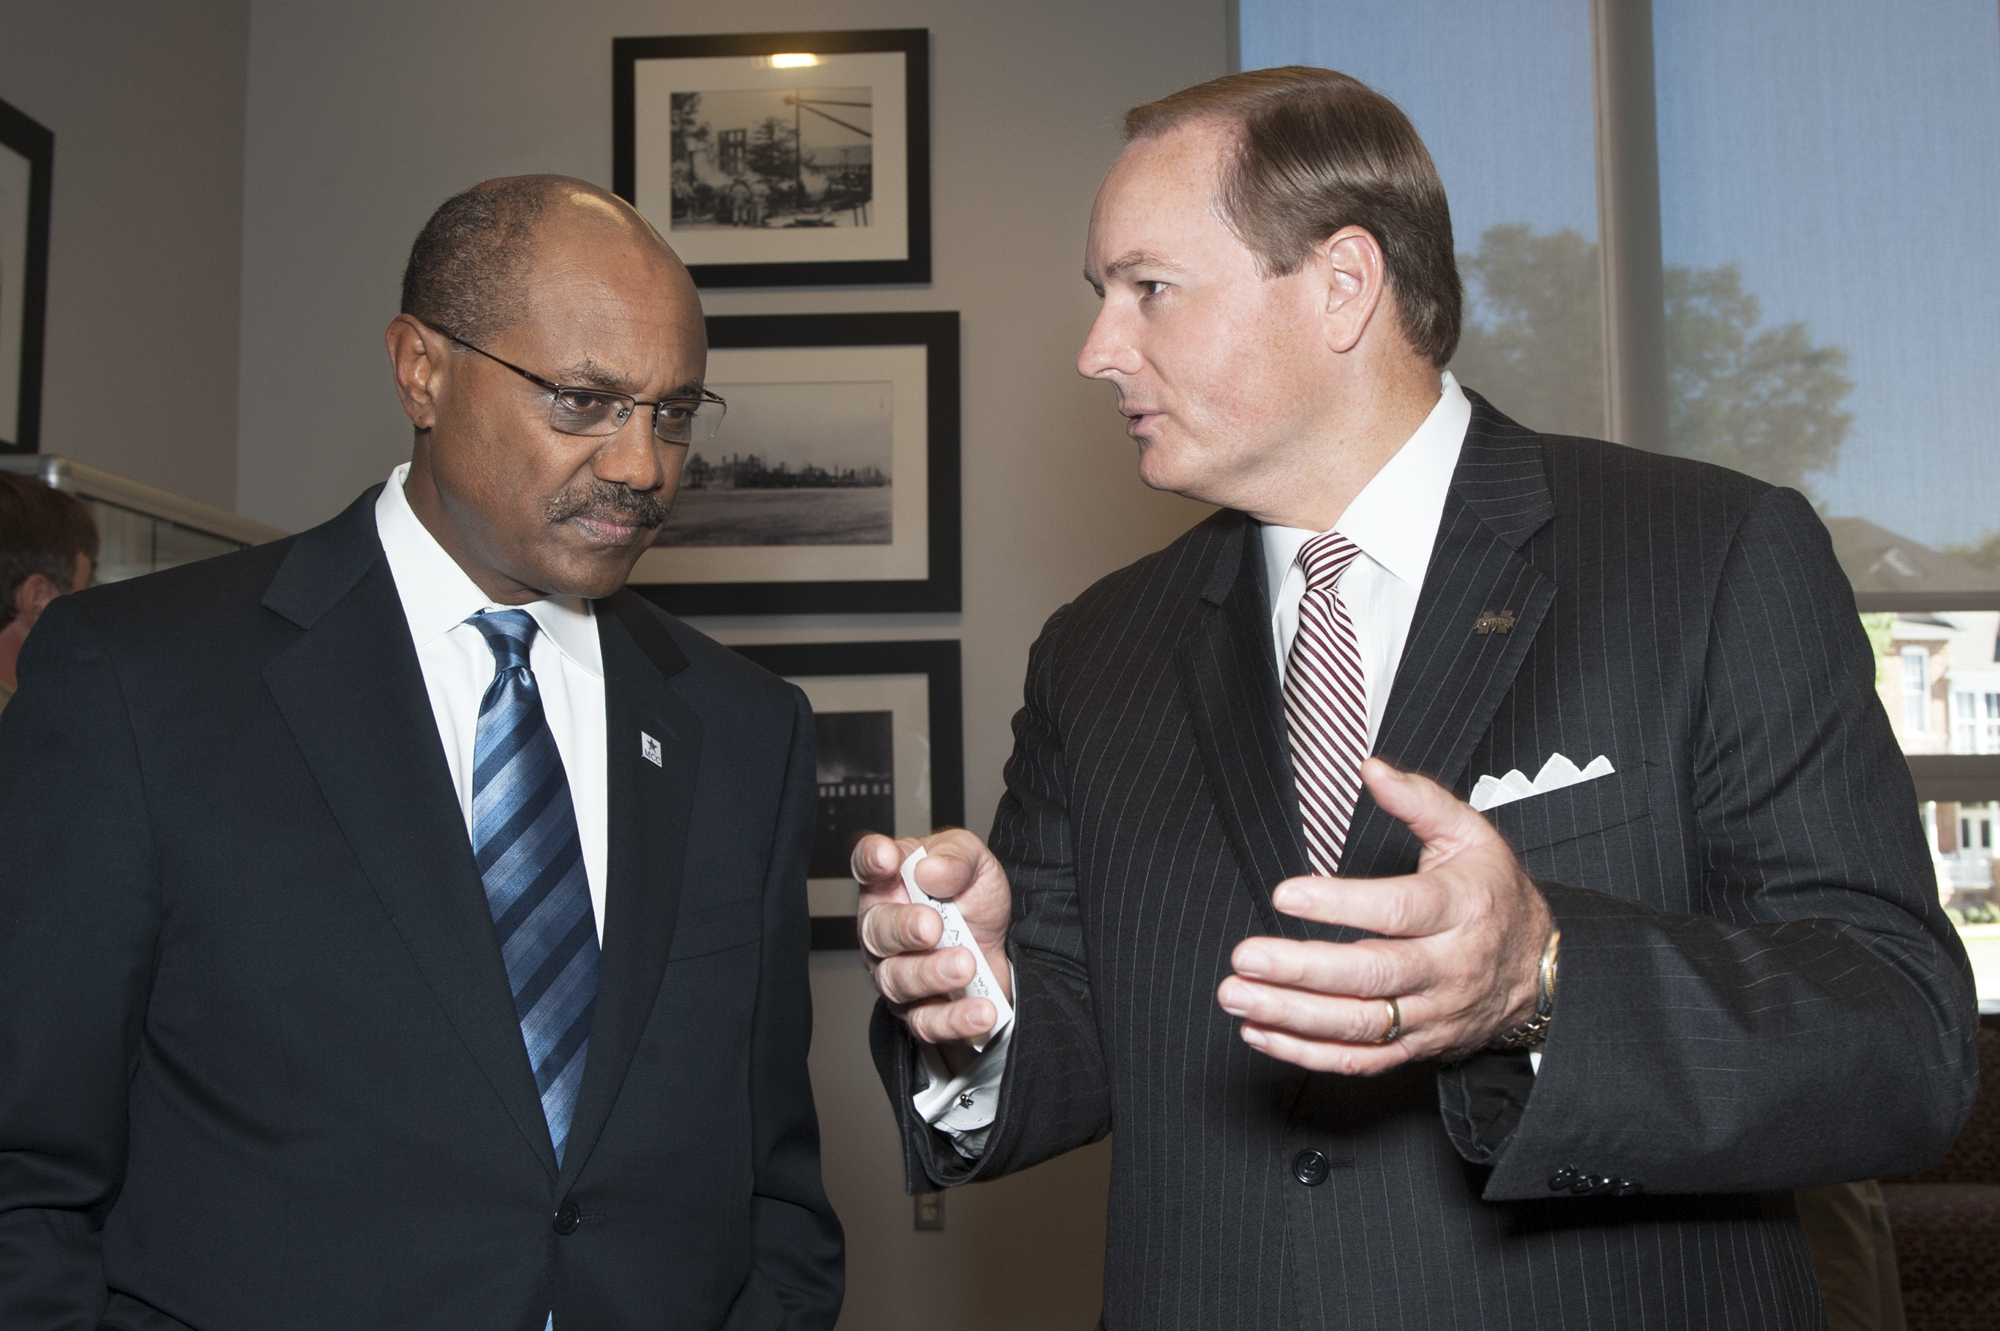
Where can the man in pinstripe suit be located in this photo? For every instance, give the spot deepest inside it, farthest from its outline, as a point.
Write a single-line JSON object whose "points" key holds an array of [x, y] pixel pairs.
{"points": [[1556, 1064]]}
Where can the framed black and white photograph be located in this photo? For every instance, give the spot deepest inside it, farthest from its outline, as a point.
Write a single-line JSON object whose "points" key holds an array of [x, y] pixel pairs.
{"points": [[833, 484], [27, 154], [888, 726], [779, 159]]}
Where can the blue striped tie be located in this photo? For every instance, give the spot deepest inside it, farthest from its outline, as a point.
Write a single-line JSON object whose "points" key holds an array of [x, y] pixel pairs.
{"points": [[524, 837]]}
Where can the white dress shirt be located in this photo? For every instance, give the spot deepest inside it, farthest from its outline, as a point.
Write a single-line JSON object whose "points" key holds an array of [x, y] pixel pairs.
{"points": [[565, 656], [1394, 522]]}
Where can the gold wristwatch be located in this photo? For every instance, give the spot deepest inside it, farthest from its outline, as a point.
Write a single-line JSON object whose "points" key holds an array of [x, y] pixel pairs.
{"points": [[1531, 1033]]}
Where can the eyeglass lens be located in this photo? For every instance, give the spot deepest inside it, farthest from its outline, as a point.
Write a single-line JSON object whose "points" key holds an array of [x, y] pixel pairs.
{"points": [[686, 421]]}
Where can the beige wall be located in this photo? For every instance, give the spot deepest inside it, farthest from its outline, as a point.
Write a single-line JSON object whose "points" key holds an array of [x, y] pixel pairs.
{"points": [[146, 101], [363, 116]]}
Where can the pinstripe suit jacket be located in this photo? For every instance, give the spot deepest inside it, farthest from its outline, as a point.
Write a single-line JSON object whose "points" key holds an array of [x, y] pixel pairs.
{"points": [[1759, 991]]}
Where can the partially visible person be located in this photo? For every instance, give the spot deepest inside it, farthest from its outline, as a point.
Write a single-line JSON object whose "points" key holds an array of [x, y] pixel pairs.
{"points": [[48, 547], [1847, 1228]]}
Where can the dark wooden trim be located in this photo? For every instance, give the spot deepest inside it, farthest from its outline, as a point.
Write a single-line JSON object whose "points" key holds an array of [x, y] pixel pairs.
{"points": [[37, 143]]}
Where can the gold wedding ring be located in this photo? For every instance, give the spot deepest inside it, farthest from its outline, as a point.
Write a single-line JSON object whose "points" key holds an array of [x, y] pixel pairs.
{"points": [[1395, 1023]]}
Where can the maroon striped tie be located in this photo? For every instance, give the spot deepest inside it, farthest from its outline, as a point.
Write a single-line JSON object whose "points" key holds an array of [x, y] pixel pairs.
{"points": [[1326, 705]]}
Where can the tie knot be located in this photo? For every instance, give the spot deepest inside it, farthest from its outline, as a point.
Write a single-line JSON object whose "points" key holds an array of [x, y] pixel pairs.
{"points": [[1324, 558], [507, 634]]}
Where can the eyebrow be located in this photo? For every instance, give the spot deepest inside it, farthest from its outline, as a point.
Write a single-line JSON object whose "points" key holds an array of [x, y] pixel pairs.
{"points": [[589, 373], [1131, 259]]}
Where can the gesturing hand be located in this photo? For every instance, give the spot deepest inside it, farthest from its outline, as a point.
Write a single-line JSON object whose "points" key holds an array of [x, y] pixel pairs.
{"points": [[1461, 947], [899, 940]]}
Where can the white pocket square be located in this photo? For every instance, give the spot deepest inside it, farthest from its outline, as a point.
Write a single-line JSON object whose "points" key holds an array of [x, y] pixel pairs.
{"points": [[1557, 772]]}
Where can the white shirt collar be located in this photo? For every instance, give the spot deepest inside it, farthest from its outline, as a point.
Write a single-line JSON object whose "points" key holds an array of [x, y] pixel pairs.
{"points": [[1394, 520], [437, 595]]}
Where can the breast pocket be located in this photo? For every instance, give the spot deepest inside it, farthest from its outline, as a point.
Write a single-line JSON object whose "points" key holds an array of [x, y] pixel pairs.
{"points": [[1587, 808], [717, 928]]}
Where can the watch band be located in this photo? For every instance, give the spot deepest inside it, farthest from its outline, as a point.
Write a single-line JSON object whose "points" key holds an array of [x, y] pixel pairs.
{"points": [[1531, 1033]]}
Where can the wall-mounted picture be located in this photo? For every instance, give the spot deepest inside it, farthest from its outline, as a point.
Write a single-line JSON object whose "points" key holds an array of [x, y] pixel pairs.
{"points": [[27, 153], [779, 159], [833, 484], [820, 469], [889, 733]]}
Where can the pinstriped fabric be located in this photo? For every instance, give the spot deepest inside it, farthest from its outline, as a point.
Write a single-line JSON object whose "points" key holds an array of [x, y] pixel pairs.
{"points": [[1758, 987], [1326, 701], [524, 838], [1451, 680]]}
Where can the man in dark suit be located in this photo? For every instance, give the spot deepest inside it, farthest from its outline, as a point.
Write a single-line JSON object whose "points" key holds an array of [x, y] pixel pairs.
{"points": [[402, 925], [1633, 927]]}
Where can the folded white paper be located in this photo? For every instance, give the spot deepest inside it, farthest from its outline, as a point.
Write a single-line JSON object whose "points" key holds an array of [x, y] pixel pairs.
{"points": [[956, 934], [1557, 772]]}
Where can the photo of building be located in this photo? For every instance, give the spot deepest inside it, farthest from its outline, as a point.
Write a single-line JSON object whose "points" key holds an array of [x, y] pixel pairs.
{"points": [[803, 157]]}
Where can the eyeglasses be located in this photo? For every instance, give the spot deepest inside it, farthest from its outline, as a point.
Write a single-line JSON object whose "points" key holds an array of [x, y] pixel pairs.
{"points": [[598, 412]]}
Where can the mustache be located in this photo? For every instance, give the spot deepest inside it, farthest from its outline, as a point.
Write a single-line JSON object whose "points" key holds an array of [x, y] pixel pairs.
{"points": [[609, 500]]}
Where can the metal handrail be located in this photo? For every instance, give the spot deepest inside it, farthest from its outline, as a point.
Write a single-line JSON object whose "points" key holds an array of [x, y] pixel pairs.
{"points": [[90, 483]]}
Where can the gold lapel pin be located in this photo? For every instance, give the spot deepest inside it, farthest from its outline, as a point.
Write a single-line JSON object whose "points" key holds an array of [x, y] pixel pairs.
{"points": [[1492, 623]]}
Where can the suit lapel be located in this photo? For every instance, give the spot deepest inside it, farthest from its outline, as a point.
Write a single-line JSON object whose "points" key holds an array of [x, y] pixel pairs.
{"points": [[1231, 682], [1452, 677], [353, 695], [649, 809], [1447, 688]]}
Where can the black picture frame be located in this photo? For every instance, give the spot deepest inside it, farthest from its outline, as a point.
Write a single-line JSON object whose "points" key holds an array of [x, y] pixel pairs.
{"points": [[798, 257], [26, 317], [793, 579], [935, 659]]}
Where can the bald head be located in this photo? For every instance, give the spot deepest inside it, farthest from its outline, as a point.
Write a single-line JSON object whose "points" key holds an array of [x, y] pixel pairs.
{"points": [[469, 270], [517, 287]]}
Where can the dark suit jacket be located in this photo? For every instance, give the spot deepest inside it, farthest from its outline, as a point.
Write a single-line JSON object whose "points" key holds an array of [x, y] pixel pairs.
{"points": [[259, 1062], [1758, 990]]}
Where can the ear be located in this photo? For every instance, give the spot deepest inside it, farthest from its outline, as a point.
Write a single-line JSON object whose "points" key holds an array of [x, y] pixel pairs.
{"points": [[33, 596], [419, 358], [1352, 277]]}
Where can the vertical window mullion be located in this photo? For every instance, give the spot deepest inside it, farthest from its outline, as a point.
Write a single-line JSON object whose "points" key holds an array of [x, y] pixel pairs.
{"points": [[1628, 223]]}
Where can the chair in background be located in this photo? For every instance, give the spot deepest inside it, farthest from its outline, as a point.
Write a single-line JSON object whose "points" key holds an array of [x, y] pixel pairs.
{"points": [[1946, 1221]]}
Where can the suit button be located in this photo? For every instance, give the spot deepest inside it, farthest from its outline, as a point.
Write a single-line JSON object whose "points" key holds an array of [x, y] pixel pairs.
{"points": [[1626, 1187], [1309, 1168], [1560, 1180], [567, 1218]]}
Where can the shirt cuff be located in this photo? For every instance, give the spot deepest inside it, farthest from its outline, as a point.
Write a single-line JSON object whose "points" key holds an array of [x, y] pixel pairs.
{"points": [[963, 1107]]}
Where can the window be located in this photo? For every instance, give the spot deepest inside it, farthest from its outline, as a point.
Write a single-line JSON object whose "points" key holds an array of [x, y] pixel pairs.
{"points": [[1502, 97], [731, 147], [1975, 722], [1786, 129], [1916, 690]]}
